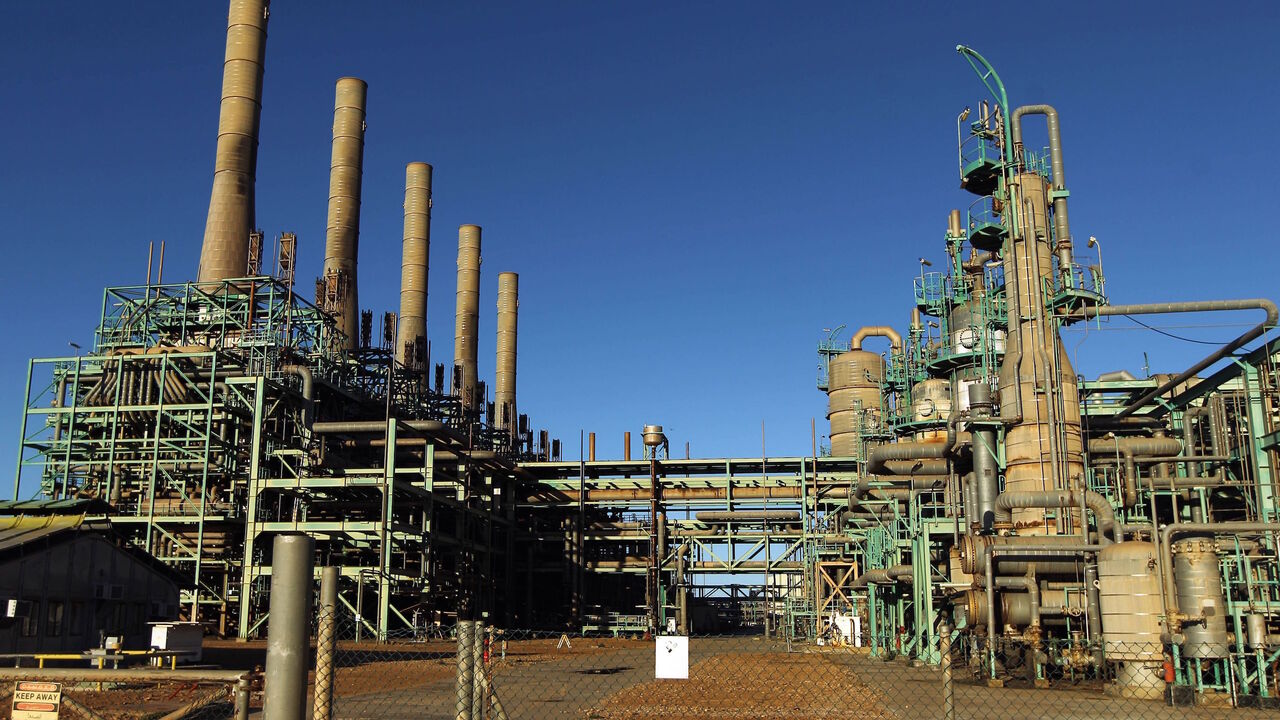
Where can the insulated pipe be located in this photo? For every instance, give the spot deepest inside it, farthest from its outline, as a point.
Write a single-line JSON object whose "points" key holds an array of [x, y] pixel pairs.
{"points": [[1102, 511], [342, 233], [1128, 448], [504, 377], [308, 391], [1022, 582], [1045, 551], [884, 331], [879, 457], [747, 516], [225, 252], [414, 264], [467, 315], [986, 465], [1188, 439], [1061, 225], [1035, 546], [1185, 307], [288, 638], [882, 576]]}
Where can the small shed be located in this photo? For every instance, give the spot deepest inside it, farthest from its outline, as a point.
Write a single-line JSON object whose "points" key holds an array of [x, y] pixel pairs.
{"points": [[65, 583]]}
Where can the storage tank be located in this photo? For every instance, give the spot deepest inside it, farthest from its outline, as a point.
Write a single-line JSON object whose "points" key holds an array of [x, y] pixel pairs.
{"points": [[853, 398], [1199, 588], [1129, 594], [931, 403]]}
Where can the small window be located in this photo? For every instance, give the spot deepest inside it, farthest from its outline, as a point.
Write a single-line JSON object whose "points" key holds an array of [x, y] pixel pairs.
{"points": [[31, 621], [75, 618], [53, 618]]}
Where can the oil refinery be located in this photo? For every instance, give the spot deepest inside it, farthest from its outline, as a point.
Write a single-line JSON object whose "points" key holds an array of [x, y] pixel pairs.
{"points": [[1116, 527]]}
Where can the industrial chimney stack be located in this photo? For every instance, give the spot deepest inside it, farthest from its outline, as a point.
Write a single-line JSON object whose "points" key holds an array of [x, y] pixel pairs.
{"points": [[412, 328], [504, 381], [468, 314], [342, 235], [225, 253]]}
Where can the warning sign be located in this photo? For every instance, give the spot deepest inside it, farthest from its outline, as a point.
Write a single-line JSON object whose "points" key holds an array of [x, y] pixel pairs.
{"points": [[36, 700]]}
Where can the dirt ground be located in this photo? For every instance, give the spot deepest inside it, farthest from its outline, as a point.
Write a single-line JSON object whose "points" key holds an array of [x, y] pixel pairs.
{"points": [[750, 686]]}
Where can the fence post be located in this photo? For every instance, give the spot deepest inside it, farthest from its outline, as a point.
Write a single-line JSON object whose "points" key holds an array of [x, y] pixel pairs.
{"points": [[466, 674], [477, 670], [288, 635], [948, 693], [326, 631]]}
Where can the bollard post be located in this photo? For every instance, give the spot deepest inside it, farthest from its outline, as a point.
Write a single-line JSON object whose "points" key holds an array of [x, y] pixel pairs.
{"points": [[242, 698], [288, 635], [477, 670], [326, 632], [466, 675], [948, 694]]}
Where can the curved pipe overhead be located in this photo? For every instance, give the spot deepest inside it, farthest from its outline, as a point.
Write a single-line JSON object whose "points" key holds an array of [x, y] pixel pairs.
{"points": [[884, 331]]}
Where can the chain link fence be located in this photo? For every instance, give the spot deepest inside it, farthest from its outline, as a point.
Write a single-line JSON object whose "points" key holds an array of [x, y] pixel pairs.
{"points": [[136, 694], [467, 673], [527, 674], [1070, 681]]}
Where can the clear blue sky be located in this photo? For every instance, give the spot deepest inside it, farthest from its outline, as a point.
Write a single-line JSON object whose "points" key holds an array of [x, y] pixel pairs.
{"points": [[690, 191]]}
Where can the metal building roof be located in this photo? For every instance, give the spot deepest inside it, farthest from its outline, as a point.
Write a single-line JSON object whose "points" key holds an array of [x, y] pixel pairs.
{"points": [[20, 530]]}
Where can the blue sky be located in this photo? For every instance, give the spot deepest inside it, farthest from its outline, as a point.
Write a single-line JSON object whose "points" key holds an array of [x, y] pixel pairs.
{"points": [[691, 192]]}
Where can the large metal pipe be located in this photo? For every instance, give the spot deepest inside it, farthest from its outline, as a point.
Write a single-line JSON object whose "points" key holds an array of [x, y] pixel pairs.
{"points": [[884, 576], [342, 233], [1128, 448], [879, 457], [716, 516], [1185, 307], [225, 252], [986, 465], [1102, 510], [504, 377], [467, 315], [1061, 225], [414, 265], [288, 637], [884, 331]]}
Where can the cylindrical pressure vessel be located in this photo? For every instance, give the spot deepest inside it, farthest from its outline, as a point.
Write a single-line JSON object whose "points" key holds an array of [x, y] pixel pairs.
{"points": [[853, 398], [1199, 587]]}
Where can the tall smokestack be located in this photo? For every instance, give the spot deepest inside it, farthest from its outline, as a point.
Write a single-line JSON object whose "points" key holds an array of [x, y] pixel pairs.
{"points": [[467, 317], [342, 235], [504, 378], [413, 266], [225, 253]]}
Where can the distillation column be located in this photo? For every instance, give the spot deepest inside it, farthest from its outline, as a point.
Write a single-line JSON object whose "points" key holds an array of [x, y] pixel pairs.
{"points": [[225, 253], [1038, 389], [411, 330], [342, 234]]}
